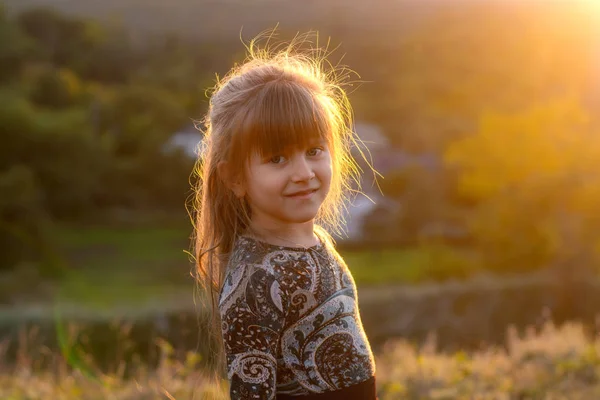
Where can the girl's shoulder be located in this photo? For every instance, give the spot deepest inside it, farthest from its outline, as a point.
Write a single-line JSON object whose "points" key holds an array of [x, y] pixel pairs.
{"points": [[248, 253], [252, 266], [256, 264]]}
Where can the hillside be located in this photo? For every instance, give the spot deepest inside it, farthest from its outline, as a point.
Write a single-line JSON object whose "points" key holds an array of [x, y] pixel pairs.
{"points": [[225, 19]]}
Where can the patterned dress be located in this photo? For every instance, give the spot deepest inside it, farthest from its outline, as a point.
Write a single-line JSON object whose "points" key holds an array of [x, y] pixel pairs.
{"points": [[290, 322]]}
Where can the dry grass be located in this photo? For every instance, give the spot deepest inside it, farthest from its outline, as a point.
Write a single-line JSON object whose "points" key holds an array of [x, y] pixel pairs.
{"points": [[173, 379], [556, 363]]}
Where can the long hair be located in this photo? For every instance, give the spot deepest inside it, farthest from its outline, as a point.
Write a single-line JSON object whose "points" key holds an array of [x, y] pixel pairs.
{"points": [[279, 96]]}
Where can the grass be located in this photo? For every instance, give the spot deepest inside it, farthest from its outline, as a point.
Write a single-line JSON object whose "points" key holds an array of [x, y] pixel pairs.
{"points": [[120, 269], [555, 363], [109, 269], [94, 246], [409, 265], [144, 266], [110, 266], [385, 266], [160, 251]]}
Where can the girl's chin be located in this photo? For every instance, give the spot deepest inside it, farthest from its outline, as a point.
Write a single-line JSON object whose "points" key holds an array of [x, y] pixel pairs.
{"points": [[301, 214], [305, 217]]}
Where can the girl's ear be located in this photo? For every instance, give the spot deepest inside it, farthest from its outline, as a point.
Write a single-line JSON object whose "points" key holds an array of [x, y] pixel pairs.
{"points": [[235, 185]]}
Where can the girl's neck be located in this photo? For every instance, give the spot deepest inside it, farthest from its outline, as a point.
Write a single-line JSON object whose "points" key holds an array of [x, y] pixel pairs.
{"points": [[300, 235]]}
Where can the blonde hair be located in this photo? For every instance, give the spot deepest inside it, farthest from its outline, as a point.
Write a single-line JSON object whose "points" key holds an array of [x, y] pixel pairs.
{"points": [[279, 96]]}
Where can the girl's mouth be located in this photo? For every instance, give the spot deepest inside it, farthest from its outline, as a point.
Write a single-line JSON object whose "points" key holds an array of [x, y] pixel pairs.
{"points": [[305, 194]]}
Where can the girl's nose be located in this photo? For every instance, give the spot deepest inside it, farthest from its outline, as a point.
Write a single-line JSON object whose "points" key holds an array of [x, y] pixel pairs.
{"points": [[302, 170]]}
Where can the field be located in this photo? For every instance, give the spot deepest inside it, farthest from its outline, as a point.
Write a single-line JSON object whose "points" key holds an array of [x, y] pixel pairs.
{"points": [[223, 20], [142, 267], [145, 269], [556, 363]]}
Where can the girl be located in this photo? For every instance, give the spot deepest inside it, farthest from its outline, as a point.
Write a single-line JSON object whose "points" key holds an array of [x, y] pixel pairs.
{"points": [[274, 174]]}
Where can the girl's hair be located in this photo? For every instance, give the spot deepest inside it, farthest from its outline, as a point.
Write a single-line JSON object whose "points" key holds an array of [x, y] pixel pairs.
{"points": [[279, 97]]}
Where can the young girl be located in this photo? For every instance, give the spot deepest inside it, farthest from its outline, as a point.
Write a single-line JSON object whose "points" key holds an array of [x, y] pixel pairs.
{"points": [[274, 175]]}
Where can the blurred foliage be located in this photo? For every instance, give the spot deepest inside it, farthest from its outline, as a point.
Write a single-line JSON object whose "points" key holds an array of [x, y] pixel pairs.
{"points": [[81, 136], [535, 174], [90, 107], [56, 88], [24, 225], [506, 106], [20, 213], [59, 148], [433, 83], [415, 265], [82, 45], [15, 47]]}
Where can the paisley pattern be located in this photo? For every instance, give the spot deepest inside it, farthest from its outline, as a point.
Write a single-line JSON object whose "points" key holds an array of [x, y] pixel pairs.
{"points": [[290, 322]]}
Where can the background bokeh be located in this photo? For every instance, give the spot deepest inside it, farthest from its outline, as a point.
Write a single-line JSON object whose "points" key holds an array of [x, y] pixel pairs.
{"points": [[475, 246]]}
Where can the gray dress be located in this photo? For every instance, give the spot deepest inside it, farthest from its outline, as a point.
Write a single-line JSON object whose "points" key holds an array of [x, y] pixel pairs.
{"points": [[290, 322]]}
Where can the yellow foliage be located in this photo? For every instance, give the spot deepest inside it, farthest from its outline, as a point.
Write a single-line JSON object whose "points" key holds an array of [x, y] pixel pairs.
{"points": [[536, 177], [548, 141], [483, 56]]}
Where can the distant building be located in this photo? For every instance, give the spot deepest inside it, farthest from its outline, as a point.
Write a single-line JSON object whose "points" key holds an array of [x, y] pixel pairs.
{"points": [[383, 157], [364, 207], [380, 212], [189, 139], [373, 143]]}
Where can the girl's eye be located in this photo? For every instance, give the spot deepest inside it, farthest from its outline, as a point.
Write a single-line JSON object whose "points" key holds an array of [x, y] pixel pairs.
{"points": [[315, 151], [277, 159]]}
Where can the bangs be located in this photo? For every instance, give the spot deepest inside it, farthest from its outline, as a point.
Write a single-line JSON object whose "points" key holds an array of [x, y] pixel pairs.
{"points": [[284, 115]]}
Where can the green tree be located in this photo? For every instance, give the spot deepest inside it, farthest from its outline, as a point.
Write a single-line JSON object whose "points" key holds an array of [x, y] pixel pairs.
{"points": [[61, 150], [15, 48], [24, 225], [534, 175], [56, 88]]}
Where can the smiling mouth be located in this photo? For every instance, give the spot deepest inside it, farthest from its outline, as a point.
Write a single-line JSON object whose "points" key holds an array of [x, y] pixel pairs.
{"points": [[303, 193]]}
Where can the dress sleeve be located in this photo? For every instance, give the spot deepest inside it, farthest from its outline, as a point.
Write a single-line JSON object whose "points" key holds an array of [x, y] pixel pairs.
{"points": [[252, 321]]}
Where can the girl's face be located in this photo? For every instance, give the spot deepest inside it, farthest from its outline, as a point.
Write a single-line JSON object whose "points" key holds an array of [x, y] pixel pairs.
{"points": [[287, 189]]}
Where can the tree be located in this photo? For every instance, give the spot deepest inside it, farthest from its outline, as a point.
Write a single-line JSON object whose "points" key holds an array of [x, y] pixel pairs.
{"points": [[56, 88], [59, 148], [24, 224], [432, 84], [534, 176], [15, 48]]}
